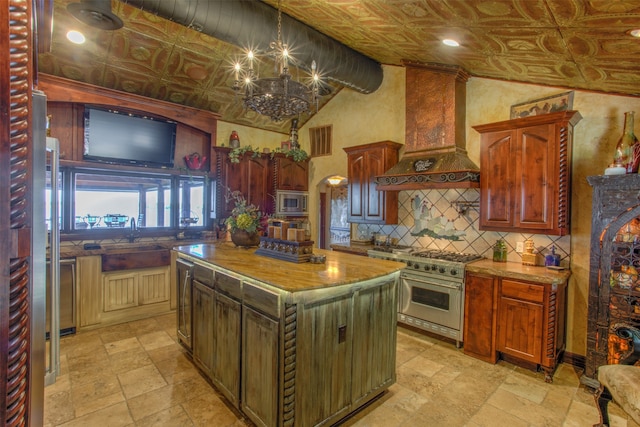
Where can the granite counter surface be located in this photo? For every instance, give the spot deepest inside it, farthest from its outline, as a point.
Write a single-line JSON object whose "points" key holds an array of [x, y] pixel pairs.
{"points": [[339, 268], [352, 247], [515, 270]]}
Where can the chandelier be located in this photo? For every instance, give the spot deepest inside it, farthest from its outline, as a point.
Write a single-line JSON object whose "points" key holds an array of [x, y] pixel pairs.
{"points": [[281, 96]]}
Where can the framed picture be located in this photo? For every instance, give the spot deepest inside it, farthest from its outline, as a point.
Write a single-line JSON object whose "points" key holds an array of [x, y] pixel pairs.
{"points": [[550, 104], [285, 145]]}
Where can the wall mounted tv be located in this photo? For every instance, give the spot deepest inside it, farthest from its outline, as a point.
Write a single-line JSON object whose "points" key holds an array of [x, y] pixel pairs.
{"points": [[123, 138]]}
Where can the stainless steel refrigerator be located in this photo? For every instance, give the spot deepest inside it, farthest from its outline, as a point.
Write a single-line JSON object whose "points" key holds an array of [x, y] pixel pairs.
{"points": [[45, 359]]}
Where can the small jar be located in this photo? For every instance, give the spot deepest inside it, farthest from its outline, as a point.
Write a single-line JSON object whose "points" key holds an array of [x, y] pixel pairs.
{"points": [[234, 140], [500, 251]]}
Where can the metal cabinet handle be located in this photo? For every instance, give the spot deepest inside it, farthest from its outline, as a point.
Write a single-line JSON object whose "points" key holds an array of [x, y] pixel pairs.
{"points": [[187, 276]]}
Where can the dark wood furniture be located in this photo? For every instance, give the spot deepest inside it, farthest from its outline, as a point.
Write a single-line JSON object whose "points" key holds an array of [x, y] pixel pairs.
{"points": [[621, 383], [251, 176], [515, 319], [289, 174], [614, 243], [366, 203], [525, 174]]}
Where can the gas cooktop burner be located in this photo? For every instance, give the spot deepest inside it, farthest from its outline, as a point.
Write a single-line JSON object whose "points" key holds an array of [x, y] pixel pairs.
{"points": [[446, 255], [393, 249]]}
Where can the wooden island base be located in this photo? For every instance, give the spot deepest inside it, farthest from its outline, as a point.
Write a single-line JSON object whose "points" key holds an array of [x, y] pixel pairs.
{"points": [[289, 344]]}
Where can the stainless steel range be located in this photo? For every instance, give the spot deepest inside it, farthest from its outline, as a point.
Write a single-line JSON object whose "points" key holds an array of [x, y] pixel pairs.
{"points": [[432, 288]]}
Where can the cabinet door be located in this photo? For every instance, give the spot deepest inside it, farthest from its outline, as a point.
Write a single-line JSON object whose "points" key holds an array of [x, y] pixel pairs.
{"points": [[232, 176], [357, 188], [184, 273], [203, 317], [257, 189], [120, 290], [292, 175], [496, 185], [374, 341], [374, 199], [479, 315], [226, 367], [260, 367], [153, 286], [520, 320], [323, 363], [535, 173]]}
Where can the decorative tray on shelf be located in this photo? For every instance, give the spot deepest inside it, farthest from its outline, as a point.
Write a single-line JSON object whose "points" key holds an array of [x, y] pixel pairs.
{"points": [[286, 250]]}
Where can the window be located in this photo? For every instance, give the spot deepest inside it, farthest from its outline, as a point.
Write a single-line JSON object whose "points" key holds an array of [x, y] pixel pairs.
{"points": [[93, 201], [112, 201]]}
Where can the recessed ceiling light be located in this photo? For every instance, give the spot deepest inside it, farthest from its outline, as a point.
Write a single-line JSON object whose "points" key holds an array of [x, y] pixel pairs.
{"points": [[451, 42], [635, 32], [75, 37]]}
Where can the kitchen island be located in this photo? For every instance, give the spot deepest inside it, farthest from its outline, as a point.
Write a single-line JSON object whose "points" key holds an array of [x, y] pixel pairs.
{"points": [[289, 344]]}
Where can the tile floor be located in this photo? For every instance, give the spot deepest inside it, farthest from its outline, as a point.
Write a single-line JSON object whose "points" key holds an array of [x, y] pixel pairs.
{"points": [[135, 374]]}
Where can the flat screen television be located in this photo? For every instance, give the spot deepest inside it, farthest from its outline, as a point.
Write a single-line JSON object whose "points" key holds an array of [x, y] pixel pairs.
{"points": [[123, 138]]}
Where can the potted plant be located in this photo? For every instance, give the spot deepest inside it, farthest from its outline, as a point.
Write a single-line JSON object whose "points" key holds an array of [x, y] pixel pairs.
{"points": [[246, 221]]}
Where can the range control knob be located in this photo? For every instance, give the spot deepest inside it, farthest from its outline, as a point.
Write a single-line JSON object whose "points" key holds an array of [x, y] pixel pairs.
{"points": [[454, 271], [433, 267], [409, 264], [416, 266], [426, 267], [441, 270]]}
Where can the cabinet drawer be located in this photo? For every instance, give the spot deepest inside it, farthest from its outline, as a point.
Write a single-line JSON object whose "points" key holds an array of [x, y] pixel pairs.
{"points": [[522, 291], [265, 301], [203, 275], [228, 285]]}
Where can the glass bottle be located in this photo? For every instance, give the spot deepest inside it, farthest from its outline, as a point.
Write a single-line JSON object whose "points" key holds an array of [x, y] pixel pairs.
{"points": [[627, 149], [500, 251]]}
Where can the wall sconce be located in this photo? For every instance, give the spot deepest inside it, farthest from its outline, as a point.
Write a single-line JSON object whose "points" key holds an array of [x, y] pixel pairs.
{"points": [[336, 180]]}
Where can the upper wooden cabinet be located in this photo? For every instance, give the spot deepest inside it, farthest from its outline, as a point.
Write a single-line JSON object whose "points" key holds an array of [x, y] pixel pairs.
{"points": [[289, 174], [525, 174], [366, 203], [250, 176]]}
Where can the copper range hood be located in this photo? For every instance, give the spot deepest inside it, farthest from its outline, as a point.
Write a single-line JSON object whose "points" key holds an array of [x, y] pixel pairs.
{"points": [[434, 152]]}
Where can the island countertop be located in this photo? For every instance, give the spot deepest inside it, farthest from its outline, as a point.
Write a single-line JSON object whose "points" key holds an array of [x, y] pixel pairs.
{"points": [[339, 268]]}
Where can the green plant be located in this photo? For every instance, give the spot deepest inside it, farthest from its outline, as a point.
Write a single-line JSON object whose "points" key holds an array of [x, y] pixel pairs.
{"points": [[236, 153], [297, 154], [244, 216]]}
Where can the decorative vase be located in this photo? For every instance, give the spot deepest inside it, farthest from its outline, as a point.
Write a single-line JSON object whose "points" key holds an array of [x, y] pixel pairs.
{"points": [[234, 139], [628, 150], [244, 239]]}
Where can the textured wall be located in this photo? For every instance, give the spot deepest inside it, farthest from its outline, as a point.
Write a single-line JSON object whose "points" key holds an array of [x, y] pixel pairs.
{"points": [[360, 119]]}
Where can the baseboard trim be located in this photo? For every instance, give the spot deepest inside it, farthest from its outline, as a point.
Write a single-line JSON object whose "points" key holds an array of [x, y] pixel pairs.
{"points": [[577, 360]]}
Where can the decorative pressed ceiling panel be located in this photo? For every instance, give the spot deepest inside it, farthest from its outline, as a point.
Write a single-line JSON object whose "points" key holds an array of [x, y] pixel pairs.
{"points": [[581, 44]]}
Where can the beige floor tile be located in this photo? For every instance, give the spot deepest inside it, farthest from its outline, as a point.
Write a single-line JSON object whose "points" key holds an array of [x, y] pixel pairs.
{"points": [[171, 417], [127, 344], [58, 408], [155, 340], [179, 369], [141, 380], [168, 396], [114, 416], [209, 410], [490, 416], [137, 374], [125, 361]]}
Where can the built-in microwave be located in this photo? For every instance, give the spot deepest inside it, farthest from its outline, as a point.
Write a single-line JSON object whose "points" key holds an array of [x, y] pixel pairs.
{"points": [[292, 203]]}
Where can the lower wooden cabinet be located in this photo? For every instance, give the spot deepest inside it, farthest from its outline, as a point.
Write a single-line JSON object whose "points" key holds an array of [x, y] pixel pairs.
{"points": [[480, 300], [227, 337], [521, 320], [203, 327], [292, 359], [260, 363]]}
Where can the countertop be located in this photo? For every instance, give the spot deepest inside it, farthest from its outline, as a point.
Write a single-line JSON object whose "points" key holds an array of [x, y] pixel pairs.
{"points": [[72, 251], [339, 269], [517, 270], [358, 248]]}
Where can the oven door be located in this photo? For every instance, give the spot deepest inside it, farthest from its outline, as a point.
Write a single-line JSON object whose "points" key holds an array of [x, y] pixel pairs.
{"points": [[433, 300]]}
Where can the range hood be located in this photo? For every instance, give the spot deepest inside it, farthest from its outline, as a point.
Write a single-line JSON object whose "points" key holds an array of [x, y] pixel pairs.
{"points": [[434, 152]]}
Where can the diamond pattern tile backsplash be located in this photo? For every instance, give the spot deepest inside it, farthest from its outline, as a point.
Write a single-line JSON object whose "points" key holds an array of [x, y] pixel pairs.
{"points": [[456, 210]]}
